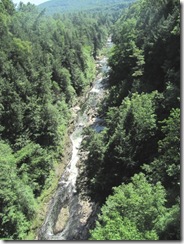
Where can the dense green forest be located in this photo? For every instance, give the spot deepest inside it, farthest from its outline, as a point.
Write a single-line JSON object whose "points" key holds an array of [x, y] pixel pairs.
{"points": [[133, 166], [46, 63], [104, 6]]}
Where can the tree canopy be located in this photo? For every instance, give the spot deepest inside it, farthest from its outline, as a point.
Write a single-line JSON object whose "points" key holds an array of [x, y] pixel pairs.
{"points": [[135, 211], [46, 63], [133, 165], [141, 114]]}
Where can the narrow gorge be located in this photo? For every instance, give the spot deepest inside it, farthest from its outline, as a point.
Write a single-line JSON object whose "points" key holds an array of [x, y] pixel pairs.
{"points": [[90, 120], [68, 216]]}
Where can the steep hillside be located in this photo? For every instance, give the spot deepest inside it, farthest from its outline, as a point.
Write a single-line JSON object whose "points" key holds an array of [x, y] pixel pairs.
{"points": [[57, 6], [133, 165], [45, 64]]}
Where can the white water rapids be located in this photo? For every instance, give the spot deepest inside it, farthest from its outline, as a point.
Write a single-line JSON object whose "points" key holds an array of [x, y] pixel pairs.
{"points": [[66, 194]]}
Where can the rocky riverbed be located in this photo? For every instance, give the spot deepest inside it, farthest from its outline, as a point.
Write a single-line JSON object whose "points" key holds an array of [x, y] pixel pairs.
{"points": [[70, 215]]}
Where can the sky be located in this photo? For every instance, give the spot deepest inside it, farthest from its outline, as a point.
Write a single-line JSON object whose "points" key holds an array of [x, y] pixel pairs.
{"points": [[36, 2]]}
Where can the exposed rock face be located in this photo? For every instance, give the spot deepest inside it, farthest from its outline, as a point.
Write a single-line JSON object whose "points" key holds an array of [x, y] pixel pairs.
{"points": [[62, 220]]}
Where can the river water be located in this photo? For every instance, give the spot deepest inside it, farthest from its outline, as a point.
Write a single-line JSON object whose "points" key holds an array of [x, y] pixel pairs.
{"points": [[66, 204]]}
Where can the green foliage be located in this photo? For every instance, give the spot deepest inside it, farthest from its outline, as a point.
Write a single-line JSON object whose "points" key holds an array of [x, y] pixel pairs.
{"points": [[21, 49], [166, 167], [134, 212], [45, 63], [117, 229], [7, 6], [17, 200], [143, 58], [33, 165], [119, 151], [142, 124], [58, 6]]}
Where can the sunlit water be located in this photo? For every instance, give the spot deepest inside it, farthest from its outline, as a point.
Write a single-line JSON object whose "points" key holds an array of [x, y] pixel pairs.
{"points": [[66, 192]]}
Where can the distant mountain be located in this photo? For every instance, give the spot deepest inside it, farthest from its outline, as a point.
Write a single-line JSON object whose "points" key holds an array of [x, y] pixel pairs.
{"points": [[56, 6]]}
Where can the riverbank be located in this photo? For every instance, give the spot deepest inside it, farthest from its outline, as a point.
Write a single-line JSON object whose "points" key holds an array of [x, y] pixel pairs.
{"points": [[45, 199]]}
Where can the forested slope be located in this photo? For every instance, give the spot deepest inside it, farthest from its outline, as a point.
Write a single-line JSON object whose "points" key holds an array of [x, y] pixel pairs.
{"points": [[66, 6], [133, 166], [45, 64]]}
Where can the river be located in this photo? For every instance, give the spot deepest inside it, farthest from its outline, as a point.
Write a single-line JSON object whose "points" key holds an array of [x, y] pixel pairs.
{"points": [[68, 215]]}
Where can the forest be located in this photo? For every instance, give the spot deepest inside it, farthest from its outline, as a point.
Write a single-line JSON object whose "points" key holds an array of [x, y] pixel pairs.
{"points": [[47, 62], [45, 65], [69, 6], [133, 166]]}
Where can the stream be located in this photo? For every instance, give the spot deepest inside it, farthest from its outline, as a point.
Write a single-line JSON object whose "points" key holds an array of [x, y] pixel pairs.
{"points": [[68, 216]]}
